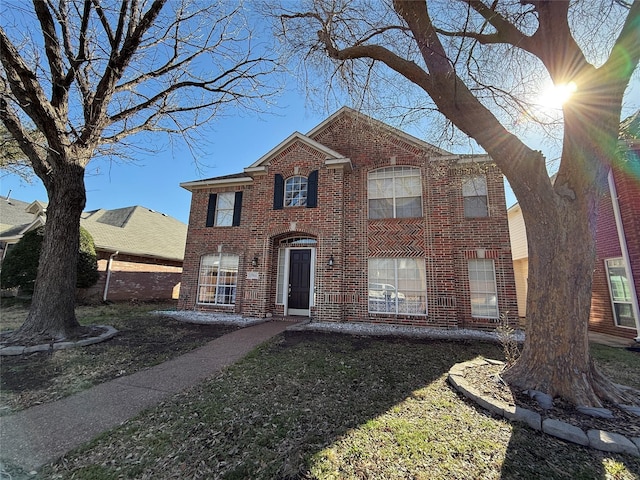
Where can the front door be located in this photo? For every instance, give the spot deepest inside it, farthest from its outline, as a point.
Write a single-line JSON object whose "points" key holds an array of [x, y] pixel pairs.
{"points": [[299, 282]]}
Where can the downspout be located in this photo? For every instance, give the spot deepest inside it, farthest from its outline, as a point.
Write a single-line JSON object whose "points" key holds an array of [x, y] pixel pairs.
{"points": [[625, 251], [106, 283]]}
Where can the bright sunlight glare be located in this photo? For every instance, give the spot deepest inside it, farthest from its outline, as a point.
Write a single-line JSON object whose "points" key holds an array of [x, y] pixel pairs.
{"points": [[557, 95]]}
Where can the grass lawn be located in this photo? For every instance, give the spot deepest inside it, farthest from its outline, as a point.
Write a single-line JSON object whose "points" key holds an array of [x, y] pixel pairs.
{"points": [[143, 340], [327, 406]]}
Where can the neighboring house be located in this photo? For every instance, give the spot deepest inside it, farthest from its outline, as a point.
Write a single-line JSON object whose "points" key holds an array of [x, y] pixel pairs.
{"points": [[17, 218], [616, 278], [353, 222], [139, 251]]}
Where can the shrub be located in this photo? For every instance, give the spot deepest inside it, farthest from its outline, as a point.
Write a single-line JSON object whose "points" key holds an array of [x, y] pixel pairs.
{"points": [[20, 266], [87, 262]]}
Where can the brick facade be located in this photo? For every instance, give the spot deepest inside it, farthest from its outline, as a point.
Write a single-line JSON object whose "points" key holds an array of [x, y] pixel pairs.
{"points": [[627, 186], [343, 150], [135, 278]]}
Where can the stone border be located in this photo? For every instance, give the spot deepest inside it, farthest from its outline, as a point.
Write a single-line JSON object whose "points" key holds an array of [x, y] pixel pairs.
{"points": [[596, 439], [210, 318], [45, 347]]}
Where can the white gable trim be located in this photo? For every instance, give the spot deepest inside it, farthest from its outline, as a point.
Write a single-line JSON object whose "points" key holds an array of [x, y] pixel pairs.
{"points": [[294, 137], [216, 182]]}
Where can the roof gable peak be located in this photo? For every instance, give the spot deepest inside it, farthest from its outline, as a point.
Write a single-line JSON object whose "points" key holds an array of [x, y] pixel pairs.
{"points": [[290, 140]]}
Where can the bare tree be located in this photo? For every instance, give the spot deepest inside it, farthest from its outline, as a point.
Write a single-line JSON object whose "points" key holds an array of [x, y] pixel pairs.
{"points": [[12, 160], [90, 74], [460, 53]]}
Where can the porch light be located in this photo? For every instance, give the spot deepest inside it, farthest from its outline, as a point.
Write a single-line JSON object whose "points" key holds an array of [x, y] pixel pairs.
{"points": [[330, 262], [254, 262]]}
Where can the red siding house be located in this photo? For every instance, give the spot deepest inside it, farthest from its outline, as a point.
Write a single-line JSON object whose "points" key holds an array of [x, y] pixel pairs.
{"points": [[353, 222], [616, 278]]}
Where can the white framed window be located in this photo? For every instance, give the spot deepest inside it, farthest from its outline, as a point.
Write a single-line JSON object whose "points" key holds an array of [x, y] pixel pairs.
{"points": [[474, 192], [397, 286], [620, 291], [224, 209], [482, 287], [218, 279], [295, 192], [395, 192]]}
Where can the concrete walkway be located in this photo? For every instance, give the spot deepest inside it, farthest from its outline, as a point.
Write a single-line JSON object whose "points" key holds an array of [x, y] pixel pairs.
{"points": [[39, 435]]}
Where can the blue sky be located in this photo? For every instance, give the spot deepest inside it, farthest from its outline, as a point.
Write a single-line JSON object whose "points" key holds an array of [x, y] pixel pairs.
{"points": [[234, 142]]}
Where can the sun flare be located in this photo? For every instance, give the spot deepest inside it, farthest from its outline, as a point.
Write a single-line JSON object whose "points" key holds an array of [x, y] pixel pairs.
{"points": [[555, 96]]}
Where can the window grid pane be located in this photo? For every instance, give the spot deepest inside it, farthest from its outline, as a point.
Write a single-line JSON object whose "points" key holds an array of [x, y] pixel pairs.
{"points": [[224, 209], [395, 192], [218, 279], [397, 286], [295, 192], [620, 290], [474, 191], [482, 288], [280, 277]]}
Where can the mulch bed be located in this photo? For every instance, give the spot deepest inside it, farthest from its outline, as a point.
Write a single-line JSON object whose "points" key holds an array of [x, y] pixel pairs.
{"points": [[486, 379]]}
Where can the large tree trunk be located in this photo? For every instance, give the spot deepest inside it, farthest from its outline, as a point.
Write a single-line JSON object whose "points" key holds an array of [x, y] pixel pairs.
{"points": [[561, 240], [52, 312]]}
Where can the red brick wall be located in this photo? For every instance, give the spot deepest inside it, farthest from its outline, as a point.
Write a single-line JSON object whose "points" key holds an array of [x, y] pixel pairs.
{"points": [[136, 278], [443, 237], [608, 246]]}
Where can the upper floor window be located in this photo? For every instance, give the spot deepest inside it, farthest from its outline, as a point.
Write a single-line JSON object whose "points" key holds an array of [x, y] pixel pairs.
{"points": [[296, 191], [474, 191], [395, 192], [224, 209]]}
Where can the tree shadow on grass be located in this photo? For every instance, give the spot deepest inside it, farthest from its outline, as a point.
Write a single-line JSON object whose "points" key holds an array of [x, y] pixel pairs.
{"points": [[28, 380], [535, 455], [309, 405]]}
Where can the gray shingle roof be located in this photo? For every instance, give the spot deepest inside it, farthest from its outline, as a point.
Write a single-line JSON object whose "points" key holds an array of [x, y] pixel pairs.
{"points": [[130, 230], [137, 231], [14, 216]]}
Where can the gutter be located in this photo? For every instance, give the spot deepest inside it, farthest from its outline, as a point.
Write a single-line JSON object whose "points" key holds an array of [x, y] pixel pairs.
{"points": [[106, 283], [625, 251]]}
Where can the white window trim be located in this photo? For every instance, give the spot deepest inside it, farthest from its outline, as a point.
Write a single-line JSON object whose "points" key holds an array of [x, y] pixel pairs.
{"points": [[395, 273], [495, 286], [216, 222], [284, 200], [393, 196], [613, 302], [215, 303], [485, 195]]}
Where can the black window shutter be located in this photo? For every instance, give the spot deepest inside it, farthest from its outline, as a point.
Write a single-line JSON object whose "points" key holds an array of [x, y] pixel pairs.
{"points": [[237, 209], [278, 193], [211, 209], [312, 189]]}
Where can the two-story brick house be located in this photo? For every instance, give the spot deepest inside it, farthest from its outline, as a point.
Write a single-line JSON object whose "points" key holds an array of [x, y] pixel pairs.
{"points": [[353, 222]]}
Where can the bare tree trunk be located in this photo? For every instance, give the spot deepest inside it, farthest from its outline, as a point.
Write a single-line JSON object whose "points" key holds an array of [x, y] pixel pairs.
{"points": [[52, 312], [561, 240]]}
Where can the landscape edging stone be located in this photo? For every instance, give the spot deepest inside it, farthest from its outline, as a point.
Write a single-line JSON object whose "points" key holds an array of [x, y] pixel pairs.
{"points": [[596, 439]]}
